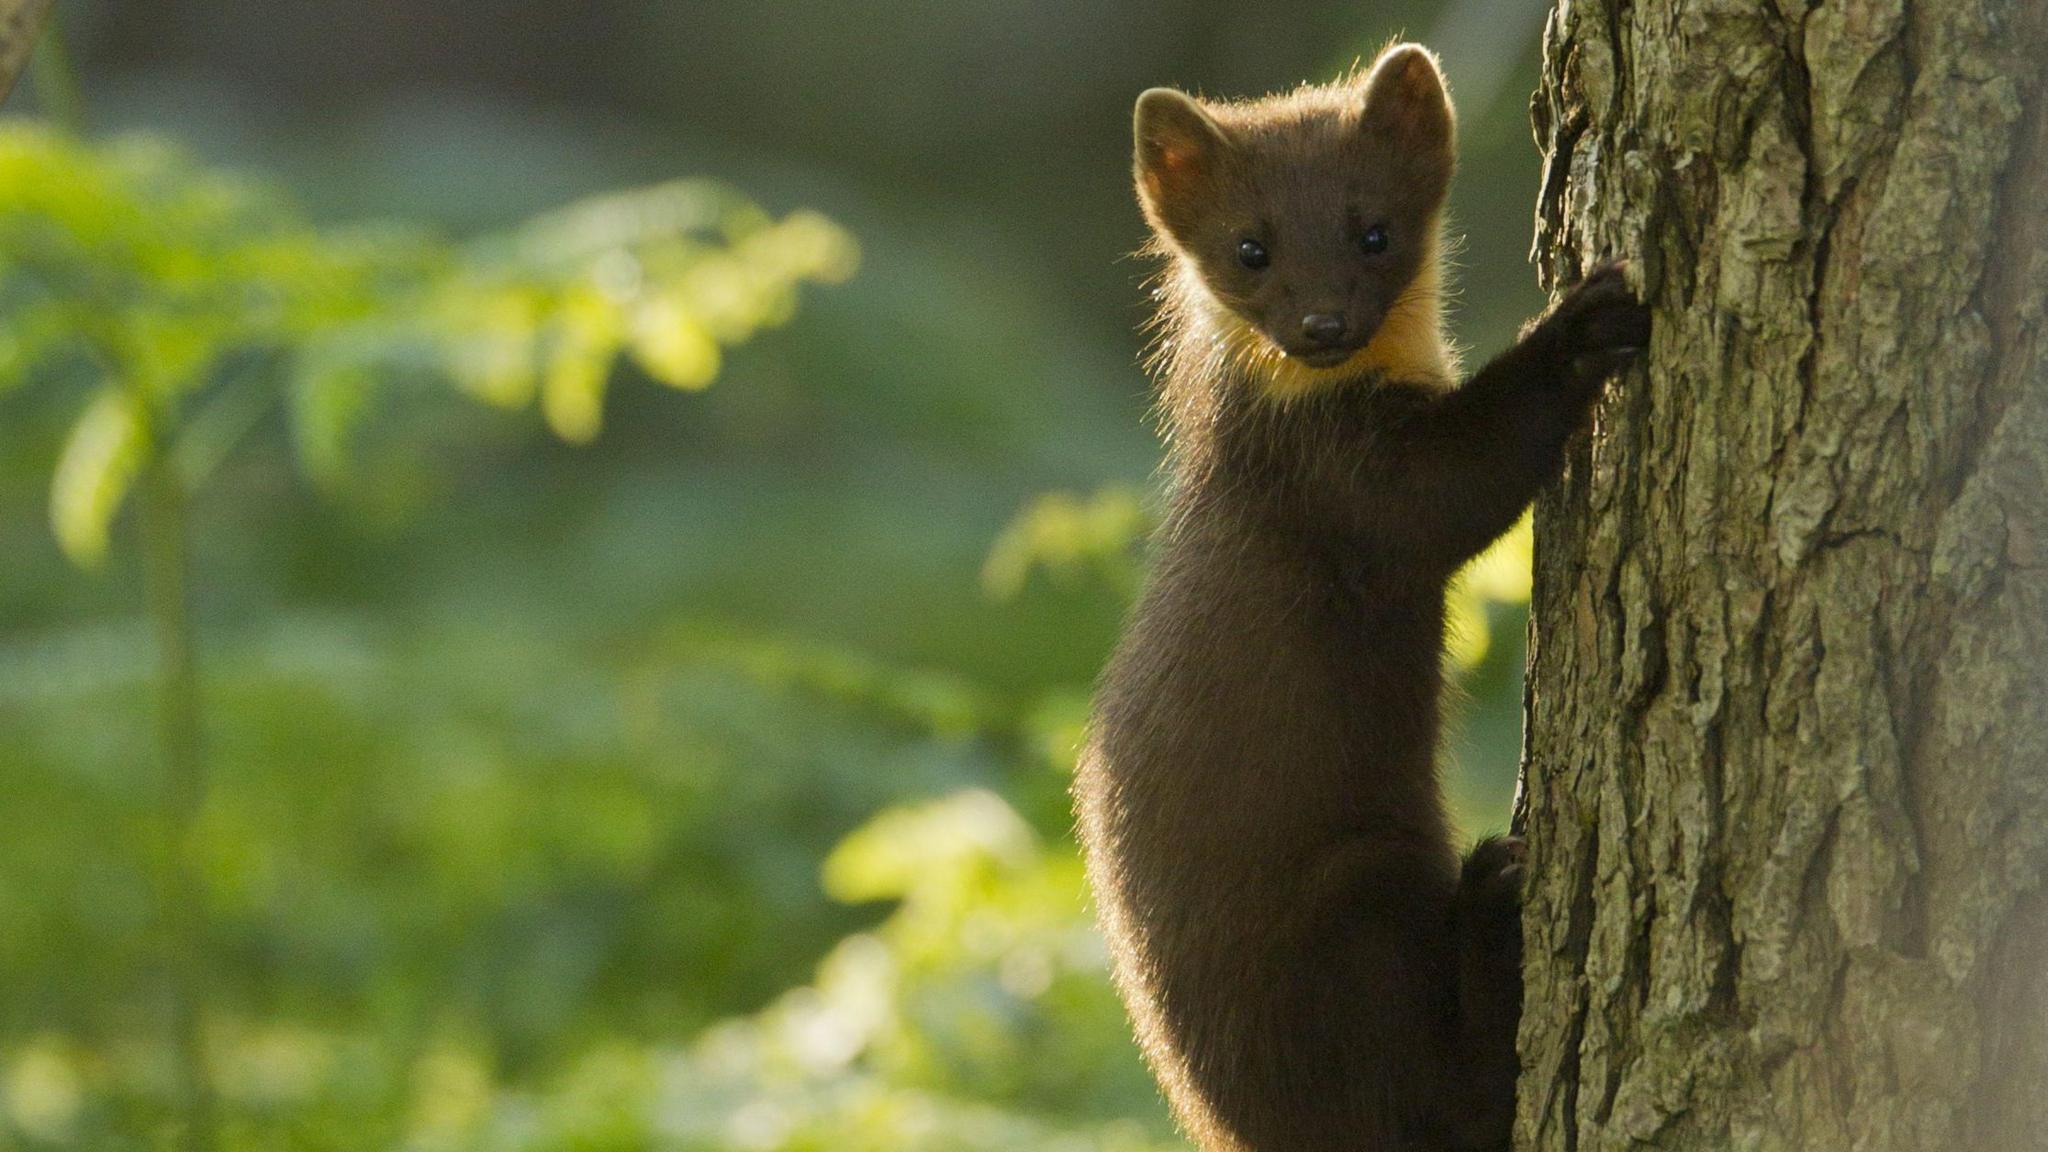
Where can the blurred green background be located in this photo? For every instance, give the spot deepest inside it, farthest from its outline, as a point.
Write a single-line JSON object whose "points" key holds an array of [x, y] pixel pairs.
{"points": [[590, 754]]}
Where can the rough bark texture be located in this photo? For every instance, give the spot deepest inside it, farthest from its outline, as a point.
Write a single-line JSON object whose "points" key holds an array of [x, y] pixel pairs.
{"points": [[1787, 761]]}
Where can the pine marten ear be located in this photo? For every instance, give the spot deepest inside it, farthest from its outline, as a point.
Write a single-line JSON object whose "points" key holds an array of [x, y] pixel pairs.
{"points": [[1180, 155], [1407, 105]]}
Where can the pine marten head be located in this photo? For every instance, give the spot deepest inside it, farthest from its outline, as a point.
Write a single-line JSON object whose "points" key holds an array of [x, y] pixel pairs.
{"points": [[1303, 228]]}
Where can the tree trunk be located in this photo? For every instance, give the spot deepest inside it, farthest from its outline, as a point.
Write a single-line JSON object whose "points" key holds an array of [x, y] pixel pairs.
{"points": [[1786, 773]]}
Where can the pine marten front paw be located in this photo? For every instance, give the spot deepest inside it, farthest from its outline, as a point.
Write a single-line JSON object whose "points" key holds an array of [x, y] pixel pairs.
{"points": [[1599, 325], [1489, 901], [1490, 886]]}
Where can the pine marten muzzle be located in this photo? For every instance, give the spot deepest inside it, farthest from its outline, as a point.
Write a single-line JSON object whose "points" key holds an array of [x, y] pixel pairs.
{"points": [[1308, 964]]}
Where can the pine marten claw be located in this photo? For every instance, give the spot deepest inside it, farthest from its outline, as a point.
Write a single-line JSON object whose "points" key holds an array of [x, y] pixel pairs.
{"points": [[1600, 324], [1495, 869]]}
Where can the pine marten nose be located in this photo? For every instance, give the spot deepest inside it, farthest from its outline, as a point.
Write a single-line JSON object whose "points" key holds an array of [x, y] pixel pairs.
{"points": [[1323, 327]]}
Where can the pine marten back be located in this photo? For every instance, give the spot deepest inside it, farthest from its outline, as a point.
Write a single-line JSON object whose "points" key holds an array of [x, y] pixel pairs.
{"points": [[1308, 966]]}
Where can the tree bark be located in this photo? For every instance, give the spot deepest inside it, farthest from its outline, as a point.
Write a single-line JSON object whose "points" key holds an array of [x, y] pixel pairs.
{"points": [[1786, 765]]}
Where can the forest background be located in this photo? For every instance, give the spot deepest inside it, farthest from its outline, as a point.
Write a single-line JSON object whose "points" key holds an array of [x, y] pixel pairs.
{"points": [[634, 629]]}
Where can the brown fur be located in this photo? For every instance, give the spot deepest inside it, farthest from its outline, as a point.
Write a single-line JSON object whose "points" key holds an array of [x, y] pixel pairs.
{"points": [[1307, 966]]}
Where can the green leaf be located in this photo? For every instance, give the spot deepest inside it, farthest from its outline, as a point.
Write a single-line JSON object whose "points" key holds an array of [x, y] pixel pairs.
{"points": [[99, 464], [132, 254], [1501, 574], [491, 338], [328, 400], [672, 346], [572, 393], [1064, 534], [29, 338], [904, 847]]}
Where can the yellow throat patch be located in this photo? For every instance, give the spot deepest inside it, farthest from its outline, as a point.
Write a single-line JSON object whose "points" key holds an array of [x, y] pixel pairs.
{"points": [[1410, 345]]}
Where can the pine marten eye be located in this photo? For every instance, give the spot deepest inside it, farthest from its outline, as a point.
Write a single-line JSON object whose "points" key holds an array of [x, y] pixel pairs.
{"points": [[1252, 254], [1374, 241]]}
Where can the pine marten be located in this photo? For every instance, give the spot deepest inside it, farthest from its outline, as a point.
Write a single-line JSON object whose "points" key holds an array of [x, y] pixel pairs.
{"points": [[1307, 965]]}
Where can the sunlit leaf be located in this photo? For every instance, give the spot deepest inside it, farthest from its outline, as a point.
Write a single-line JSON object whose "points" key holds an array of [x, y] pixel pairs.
{"points": [[165, 353], [1066, 534], [493, 345], [901, 849], [43, 1091], [94, 473], [724, 295], [454, 1097], [130, 253], [572, 393], [672, 346], [585, 230], [808, 246], [1501, 573]]}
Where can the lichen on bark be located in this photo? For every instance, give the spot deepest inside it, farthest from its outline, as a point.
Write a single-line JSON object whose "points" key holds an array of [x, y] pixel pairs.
{"points": [[1786, 768]]}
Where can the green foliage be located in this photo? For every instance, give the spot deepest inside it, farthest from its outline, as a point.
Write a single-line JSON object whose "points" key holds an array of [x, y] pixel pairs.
{"points": [[440, 892], [98, 467], [685, 793], [190, 300], [975, 1019], [976, 1016], [1498, 578], [1069, 537]]}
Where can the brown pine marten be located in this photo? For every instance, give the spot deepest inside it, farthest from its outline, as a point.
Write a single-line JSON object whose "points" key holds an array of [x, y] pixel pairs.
{"points": [[1307, 965]]}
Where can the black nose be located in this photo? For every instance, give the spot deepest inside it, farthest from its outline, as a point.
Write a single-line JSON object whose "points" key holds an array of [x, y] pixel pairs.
{"points": [[1323, 327]]}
